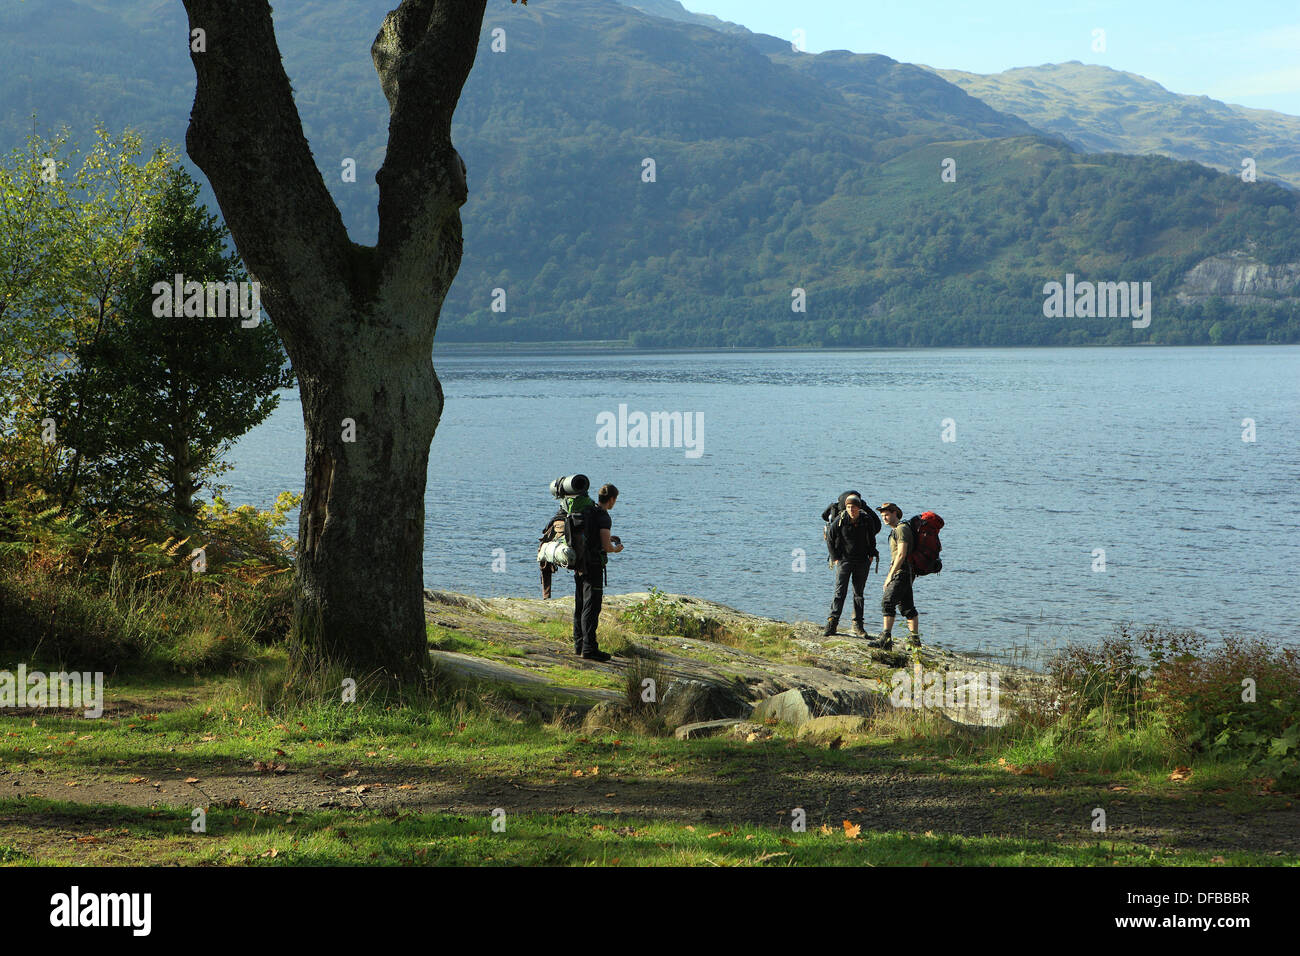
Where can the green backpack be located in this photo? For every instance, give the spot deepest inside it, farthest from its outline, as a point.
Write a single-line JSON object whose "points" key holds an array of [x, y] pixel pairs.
{"points": [[581, 536]]}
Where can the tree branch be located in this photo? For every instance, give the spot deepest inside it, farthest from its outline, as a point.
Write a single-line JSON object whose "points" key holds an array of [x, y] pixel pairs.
{"points": [[246, 135], [423, 55]]}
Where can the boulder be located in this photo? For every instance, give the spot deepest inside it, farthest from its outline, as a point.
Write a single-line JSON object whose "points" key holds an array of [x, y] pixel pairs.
{"points": [[689, 701], [606, 715], [787, 708]]}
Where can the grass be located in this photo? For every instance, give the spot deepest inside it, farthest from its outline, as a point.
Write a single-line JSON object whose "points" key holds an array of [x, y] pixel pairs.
{"points": [[575, 677], [446, 639], [614, 639]]}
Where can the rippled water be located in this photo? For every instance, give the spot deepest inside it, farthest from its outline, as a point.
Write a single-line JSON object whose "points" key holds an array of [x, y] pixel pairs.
{"points": [[1058, 452]]}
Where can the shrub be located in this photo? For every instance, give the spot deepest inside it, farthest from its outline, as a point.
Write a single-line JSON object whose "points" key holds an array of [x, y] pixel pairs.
{"points": [[1238, 699], [660, 614], [1098, 684]]}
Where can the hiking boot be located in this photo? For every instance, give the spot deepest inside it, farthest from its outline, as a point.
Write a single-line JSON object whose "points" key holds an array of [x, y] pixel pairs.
{"points": [[858, 629], [831, 624], [596, 656], [913, 639], [884, 641]]}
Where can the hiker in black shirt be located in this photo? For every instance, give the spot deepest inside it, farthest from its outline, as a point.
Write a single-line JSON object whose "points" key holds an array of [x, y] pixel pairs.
{"points": [[852, 542], [589, 588]]}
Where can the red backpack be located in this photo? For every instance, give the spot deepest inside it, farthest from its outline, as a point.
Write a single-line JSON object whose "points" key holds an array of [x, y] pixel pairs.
{"points": [[924, 556]]}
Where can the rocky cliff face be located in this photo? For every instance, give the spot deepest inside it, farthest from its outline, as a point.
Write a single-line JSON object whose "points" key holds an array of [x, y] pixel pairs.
{"points": [[1240, 279]]}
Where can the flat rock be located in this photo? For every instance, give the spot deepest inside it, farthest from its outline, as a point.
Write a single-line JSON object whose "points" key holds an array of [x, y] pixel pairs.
{"points": [[477, 668], [712, 728]]}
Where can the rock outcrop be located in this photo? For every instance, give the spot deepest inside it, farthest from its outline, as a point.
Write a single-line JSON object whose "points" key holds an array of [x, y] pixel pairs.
{"points": [[1240, 279]]}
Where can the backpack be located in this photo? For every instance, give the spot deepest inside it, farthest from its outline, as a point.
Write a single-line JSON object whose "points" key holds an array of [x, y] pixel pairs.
{"points": [[832, 514], [588, 555], [924, 556], [568, 541]]}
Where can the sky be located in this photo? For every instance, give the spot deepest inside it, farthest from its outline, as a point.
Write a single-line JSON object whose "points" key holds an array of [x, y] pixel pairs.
{"points": [[1238, 52]]}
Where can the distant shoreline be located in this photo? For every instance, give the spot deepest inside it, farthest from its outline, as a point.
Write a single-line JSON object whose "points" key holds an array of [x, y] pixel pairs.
{"points": [[620, 345]]}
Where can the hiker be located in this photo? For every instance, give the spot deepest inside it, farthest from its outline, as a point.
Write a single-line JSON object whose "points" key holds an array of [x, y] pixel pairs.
{"points": [[589, 586], [898, 580], [851, 540]]}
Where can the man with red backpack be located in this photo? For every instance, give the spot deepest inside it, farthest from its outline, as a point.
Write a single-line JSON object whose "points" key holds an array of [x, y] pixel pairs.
{"points": [[898, 580]]}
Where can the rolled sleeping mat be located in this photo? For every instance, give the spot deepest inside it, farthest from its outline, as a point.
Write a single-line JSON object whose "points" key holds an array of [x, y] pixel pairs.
{"points": [[557, 552], [569, 486]]}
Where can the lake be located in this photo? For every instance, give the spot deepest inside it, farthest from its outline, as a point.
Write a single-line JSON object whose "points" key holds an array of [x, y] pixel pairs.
{"points": [[1081, 488]]}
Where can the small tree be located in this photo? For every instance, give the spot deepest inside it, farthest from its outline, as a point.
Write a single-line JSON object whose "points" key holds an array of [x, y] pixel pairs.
{"points": [[71, 228], [163, 397]]}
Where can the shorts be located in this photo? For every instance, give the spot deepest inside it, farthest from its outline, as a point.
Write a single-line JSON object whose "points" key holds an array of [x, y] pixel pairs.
{"points": [[899, 594]]}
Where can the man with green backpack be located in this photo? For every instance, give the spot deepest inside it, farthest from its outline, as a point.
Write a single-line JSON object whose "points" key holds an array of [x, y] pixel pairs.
{"points": [[578, 538], [589, 582]]}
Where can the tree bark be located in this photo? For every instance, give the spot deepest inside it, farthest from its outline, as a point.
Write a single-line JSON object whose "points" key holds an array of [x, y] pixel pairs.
{"points": [[357, 322]]}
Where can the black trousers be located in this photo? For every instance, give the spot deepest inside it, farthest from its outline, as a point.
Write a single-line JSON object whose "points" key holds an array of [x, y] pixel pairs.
{"points": [[844, 573], [588, 593]]}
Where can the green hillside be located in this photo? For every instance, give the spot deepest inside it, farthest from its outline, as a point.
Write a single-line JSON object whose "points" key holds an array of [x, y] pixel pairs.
{"points": [[773, 171], [1103, 110]]}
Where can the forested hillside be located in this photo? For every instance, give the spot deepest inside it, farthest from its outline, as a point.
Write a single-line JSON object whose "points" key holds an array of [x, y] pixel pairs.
{"points": [[772, 171]]}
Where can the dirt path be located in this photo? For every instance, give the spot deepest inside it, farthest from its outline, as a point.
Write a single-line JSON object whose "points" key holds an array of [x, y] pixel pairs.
{"points": [[884, 798]]}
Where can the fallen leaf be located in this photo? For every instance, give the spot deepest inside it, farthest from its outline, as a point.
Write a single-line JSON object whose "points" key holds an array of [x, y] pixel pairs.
{"points": [[851, 830], [1181, 773], [88, 839], [137, 780], [826, 830], [273, 852], [191, 779], [691, 828]]}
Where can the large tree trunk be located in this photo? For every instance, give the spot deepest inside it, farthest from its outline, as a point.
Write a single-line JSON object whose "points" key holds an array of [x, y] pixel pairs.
{"points": [[357, 322], [361, 537]]}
